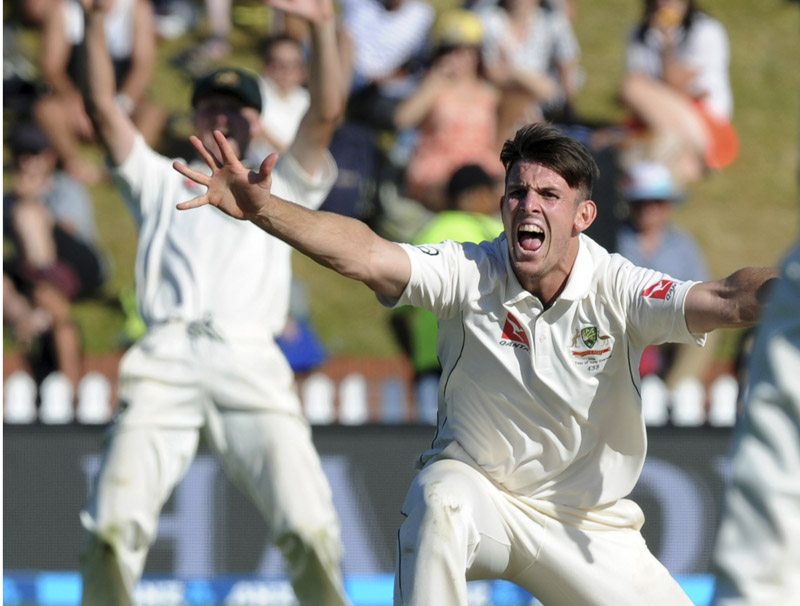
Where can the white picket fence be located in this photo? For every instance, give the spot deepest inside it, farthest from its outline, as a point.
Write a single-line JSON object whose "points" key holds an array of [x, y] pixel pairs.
{"points": [[352, 400]]}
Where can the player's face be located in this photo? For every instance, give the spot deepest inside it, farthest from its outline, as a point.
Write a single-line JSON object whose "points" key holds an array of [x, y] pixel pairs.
{"points": [[542, 220], [224, 113]]}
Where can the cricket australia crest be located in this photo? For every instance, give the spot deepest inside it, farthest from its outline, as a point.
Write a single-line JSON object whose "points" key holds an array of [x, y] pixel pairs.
{"points": [[589, 336], [589, 349]]}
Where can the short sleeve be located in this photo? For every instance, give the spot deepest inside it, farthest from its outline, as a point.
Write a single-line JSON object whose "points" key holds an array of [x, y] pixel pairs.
{"points": [[440, 278], [654, 304]]}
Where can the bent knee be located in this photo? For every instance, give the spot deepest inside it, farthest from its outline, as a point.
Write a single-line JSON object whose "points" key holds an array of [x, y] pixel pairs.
{"points": [[441, 510], [324, 542], [117, 533], [635, 87]]}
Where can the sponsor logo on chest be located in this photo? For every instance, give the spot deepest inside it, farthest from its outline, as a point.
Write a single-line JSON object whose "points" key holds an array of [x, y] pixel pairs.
{"points": [[589, 349], [514, 334]]}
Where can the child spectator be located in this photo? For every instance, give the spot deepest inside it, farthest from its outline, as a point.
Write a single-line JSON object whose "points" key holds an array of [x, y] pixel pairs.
{"points": [[649, 238], [49, 221]]}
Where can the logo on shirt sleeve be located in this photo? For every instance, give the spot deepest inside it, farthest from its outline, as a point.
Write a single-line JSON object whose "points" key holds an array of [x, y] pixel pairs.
{"points": [[428, 250], [514, 334], [663, 289]]}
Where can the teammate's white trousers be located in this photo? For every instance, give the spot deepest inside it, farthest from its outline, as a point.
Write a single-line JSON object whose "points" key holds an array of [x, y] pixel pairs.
{"points": [[757, 554], [174, 389], [461, 527]]}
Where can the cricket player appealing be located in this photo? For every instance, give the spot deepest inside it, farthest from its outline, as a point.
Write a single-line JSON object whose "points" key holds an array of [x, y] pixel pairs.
{"points": [[540, 434], [214, 293]]}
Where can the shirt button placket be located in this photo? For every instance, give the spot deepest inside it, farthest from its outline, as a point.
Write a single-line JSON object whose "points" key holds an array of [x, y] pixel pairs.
{"points": [[541, 348]]}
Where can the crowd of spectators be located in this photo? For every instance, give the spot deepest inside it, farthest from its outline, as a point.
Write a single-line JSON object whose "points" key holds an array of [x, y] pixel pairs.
{"points": [[431, 90], [433, 94]]}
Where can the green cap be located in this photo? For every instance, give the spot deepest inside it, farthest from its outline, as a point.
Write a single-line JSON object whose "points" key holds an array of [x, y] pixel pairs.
{"points": [[237, 82]]}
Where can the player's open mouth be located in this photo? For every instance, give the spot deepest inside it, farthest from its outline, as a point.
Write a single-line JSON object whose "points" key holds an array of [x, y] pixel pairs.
{"points": [[530, 237]]}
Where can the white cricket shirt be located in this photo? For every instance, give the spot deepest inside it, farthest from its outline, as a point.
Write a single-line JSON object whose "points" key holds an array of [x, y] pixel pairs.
{"points": [[201, 263], [544, 402]]}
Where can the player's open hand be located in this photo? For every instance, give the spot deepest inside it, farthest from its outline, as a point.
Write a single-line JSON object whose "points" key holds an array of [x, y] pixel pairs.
{"points": [[235, 190]]}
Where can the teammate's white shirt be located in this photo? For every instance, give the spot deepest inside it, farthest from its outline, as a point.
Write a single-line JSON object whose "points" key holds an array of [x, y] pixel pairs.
{"points": [[202, 264], [544, 402]]}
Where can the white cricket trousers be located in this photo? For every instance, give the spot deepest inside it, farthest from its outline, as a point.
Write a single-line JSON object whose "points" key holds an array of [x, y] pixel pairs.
{"points": [[460, 527], [172, 389], [757, 552]]}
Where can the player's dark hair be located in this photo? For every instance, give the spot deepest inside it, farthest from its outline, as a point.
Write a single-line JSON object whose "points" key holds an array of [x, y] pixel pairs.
{"points": [[545, 144]]}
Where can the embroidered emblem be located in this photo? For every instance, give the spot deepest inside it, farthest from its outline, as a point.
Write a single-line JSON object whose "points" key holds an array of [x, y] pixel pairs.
{"points": [[590, 350], [589, 336]]}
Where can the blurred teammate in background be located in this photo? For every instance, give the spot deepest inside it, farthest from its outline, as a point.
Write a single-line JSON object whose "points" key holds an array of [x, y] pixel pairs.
{"points": [[208, 363], [757, 554], [540, 435]]}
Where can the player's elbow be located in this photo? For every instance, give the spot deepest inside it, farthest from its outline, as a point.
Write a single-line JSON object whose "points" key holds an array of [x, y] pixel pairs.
{"points": [[390, 270]]}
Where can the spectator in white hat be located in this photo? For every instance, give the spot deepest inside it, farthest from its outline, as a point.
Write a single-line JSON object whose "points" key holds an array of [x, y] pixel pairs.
{"points": [[650, 238]]}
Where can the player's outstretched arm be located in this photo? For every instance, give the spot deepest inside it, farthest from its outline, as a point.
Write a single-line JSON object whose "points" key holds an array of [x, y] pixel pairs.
{"points": [[343, 244], [733, 302]]}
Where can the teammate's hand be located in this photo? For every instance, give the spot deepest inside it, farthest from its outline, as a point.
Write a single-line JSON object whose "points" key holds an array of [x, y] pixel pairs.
{"points": [[235, 190], [316, 11], [99, 6]]}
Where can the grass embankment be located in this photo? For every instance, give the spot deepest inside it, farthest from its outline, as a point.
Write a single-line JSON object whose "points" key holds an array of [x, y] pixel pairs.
{"points": [[745, 215]]}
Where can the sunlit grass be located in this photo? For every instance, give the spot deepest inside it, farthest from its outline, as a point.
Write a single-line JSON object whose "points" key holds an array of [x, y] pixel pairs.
{"points": [[745, 215]]}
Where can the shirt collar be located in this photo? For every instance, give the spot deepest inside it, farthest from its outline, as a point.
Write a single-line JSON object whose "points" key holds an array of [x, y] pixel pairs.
{"points": [[578, 282], [580, 278]]}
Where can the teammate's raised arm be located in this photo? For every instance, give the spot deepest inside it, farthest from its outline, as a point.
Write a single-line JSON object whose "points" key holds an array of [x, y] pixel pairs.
{"points": [[325, 82], [113, 126], [343, 244]]}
